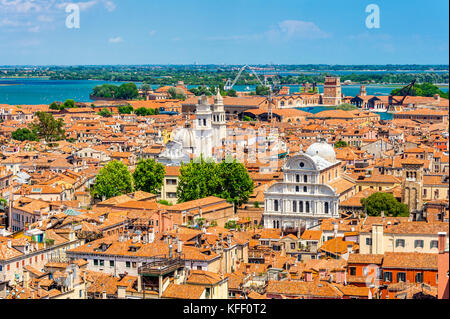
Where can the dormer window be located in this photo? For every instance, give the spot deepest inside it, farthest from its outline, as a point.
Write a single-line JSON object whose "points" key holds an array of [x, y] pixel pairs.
{"points": [[133, 249]]}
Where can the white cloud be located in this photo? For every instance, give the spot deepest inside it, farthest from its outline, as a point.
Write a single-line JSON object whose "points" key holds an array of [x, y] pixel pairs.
{"points": [[109, 5], [301, 29], [34, 29], [6, 22], [28, 15], [115, 40], [45, 18], [285, 30]]}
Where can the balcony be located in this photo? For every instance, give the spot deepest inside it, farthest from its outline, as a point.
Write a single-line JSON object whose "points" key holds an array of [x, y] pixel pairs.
{"points": [[162, 266]]}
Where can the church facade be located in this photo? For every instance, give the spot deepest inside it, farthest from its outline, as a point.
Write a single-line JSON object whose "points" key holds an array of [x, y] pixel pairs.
{"points": [[303, 198], [199, 138]]}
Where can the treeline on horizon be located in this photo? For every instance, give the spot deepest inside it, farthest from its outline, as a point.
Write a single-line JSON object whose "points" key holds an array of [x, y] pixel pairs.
{"points": [[218, 75]]}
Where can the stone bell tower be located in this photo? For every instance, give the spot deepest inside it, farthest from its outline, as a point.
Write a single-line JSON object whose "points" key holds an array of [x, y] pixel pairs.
{"points": [[412, 183], [219, 124]]}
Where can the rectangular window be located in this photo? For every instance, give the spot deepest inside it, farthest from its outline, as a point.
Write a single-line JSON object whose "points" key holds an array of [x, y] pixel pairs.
{"points": [[294, 206], [134, 264], [388, 276], [127, 264], [352, 271], [111, 263], [95, 262], [400, 243], [102, 262], [369, 241], [419, 277], [401, 277], [434, 244], [418, 244], [292, 245]]}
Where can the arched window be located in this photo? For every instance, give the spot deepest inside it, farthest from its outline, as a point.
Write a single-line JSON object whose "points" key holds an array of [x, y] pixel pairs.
{"points": [[307, 207], [327, 208], [301, 206], [204, 122], [274, 224], [294, 206], [297, 178], [275, 204], [305, 178], [305, 189]]}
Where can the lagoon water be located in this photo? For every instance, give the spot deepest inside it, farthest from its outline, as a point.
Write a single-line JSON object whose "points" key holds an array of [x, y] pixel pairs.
{"points": [[44, 91]]}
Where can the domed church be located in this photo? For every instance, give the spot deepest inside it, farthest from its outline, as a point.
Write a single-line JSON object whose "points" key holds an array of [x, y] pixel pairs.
{"points": [[303, 198], [208, 131]]}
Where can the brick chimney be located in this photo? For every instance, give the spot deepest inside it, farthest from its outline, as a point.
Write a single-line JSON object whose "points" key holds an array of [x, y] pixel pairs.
{"points": [[442, 241], [308, 276]]}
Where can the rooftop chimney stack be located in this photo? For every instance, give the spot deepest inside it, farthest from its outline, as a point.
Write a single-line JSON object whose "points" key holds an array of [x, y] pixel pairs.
{"points": [[442, 238]]}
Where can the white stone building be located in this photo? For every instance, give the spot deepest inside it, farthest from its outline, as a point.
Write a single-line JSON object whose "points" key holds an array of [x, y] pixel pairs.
{"points": [[303, 198], [208, 131]]}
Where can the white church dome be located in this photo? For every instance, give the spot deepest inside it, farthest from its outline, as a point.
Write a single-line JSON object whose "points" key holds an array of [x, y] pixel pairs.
{"points": [[185, 136], [322, 149]]}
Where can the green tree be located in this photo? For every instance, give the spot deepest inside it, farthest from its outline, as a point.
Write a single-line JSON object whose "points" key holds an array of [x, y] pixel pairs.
{"points": [[384, 202], [149, 176], [69, 104], [127, 109], [232, 93], [105, 113], [235, 186], [113, 180], [3, 203], [146, 87], [198, 179], [176, 94], [424, 89], [128, 91], [231, 224], [262, 90], [54, 106], [227, 180], [340, 144], [24, 134], [47, 127], [142, 111]]}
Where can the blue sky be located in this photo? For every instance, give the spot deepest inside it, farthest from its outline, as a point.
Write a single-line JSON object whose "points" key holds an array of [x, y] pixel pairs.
{"points": [[230, 32]]}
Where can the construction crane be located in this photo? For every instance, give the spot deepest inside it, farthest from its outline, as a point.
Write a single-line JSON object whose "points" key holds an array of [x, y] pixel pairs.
{"points": [[229, 85], [393, 102]]}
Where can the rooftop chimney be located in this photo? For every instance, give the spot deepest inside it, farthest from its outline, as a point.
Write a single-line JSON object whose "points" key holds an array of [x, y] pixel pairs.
{"points": [[442, 238], [349, 249]]}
